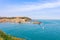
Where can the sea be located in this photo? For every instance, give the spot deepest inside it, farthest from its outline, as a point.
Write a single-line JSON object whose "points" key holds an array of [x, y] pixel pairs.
{"points": [[47, 30]]}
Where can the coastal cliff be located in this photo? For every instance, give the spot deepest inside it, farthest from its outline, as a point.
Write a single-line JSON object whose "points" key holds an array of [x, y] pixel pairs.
{"points": [[17, 20], [14, 19]]}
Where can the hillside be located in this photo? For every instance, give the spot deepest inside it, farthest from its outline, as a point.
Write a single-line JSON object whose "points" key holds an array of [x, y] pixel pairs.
{"points": [[4, 36]]}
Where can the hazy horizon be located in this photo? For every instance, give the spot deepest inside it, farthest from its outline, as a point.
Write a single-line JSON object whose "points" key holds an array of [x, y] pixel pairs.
{"points": [[35, 9]]}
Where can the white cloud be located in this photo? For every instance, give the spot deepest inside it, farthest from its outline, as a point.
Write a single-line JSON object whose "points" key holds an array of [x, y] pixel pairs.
{"points": [[25, 8]]}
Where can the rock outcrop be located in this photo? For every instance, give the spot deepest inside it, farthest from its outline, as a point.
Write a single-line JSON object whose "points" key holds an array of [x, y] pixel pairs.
{"points": [[17, 20], [14, 19]]}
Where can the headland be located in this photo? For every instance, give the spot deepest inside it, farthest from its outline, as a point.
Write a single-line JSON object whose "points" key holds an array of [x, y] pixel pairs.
{"points": [[17, 20]]}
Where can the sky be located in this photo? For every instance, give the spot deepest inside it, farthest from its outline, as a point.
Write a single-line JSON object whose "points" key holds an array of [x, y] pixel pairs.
{"points": [[35, 9]]}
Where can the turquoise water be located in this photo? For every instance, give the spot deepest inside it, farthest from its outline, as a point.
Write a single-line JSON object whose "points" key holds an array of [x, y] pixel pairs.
{"points": [[48, 30]]}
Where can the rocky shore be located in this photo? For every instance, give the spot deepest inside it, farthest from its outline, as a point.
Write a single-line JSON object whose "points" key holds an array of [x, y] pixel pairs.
{"points": [[14, 19], [17, 20]]}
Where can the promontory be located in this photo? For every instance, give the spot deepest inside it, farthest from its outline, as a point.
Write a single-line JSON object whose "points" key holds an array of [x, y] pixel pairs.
{"points": [[17, 20]]}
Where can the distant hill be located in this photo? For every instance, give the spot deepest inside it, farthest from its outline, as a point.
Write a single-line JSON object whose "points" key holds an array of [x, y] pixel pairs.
{"points": [[14, 19]]}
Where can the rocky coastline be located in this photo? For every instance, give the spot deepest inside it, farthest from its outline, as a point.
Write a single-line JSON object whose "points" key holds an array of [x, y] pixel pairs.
{"points": [[17, 20]]}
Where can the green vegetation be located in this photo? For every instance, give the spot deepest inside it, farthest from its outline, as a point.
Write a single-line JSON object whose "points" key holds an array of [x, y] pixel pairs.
{"points": [[4, 36]]}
